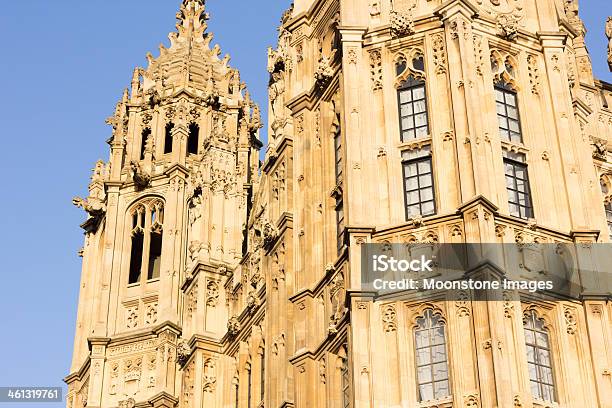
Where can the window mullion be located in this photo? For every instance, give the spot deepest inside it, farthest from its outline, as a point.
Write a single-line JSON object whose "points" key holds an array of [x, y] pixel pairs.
{"points": [[144, 268]]}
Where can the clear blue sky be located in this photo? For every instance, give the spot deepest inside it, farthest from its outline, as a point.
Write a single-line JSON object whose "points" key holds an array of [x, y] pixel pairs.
{"points": [[64, 66]]}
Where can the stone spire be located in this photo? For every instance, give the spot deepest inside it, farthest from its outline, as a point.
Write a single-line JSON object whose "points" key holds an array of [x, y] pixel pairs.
{"points": [[188, 63]]}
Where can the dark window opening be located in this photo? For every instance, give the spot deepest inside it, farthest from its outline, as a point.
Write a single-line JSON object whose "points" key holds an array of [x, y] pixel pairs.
{"points": [[340, 225], [192, 140], [155, 250], [136, 257], [419, 63], [263, 375], [400, 66], [338, 156], [168, 138], [143, 144]]}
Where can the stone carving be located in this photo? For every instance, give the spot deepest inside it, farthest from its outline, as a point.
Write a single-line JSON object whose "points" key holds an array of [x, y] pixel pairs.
{"points": [[375, 8], [140, 178], [402, 23], [188, 384], [600, 148], [439, 53], [132, 317], [192, 301], [571, 10], [276, 91], [324, 72], [609, 35], [462, 304], [323, 370], [376, 69], [183, 352], [504, 67], [252, 301], [471, 401], [570, 320], [336, 297], [212, 294], [278, 342], [94, 207], [151, 313], [508, 24], [517, 402], [389, 319], [129, 403], [508, 304], [233, 325], [209, 380], [478, 54], [534, 74], [351, 56]]}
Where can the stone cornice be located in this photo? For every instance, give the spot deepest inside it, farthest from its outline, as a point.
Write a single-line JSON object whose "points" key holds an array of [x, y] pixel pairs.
{"points": [[285, 143], [331, 342], [552, 39], [582, 108], [80, 373], [585, 235], [521, 223]]}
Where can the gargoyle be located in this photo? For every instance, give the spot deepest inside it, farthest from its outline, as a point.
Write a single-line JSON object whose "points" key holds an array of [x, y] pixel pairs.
{"points": [[233, 325], [141, 178], [94, 207], [270, 233], [183, 352]]}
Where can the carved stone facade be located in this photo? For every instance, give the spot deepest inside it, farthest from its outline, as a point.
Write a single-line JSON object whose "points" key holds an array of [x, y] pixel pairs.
{"points": [[254, 298]]}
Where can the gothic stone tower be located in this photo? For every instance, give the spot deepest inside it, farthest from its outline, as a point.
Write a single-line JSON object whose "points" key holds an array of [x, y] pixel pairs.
{"points": [[433, 121], [167, 215], [207, 284]]}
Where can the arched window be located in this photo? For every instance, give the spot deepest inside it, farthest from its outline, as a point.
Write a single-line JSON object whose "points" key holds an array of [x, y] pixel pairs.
{"points": [[143, 142], [193, 139], [168, 138], [138, 222], [155, 245], [539, 359], [431, 358], [412, 96], [609, 217], [146, 241]]}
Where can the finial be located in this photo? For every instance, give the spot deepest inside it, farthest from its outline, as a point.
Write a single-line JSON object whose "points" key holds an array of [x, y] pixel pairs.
{"points": [[191, 19]]}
